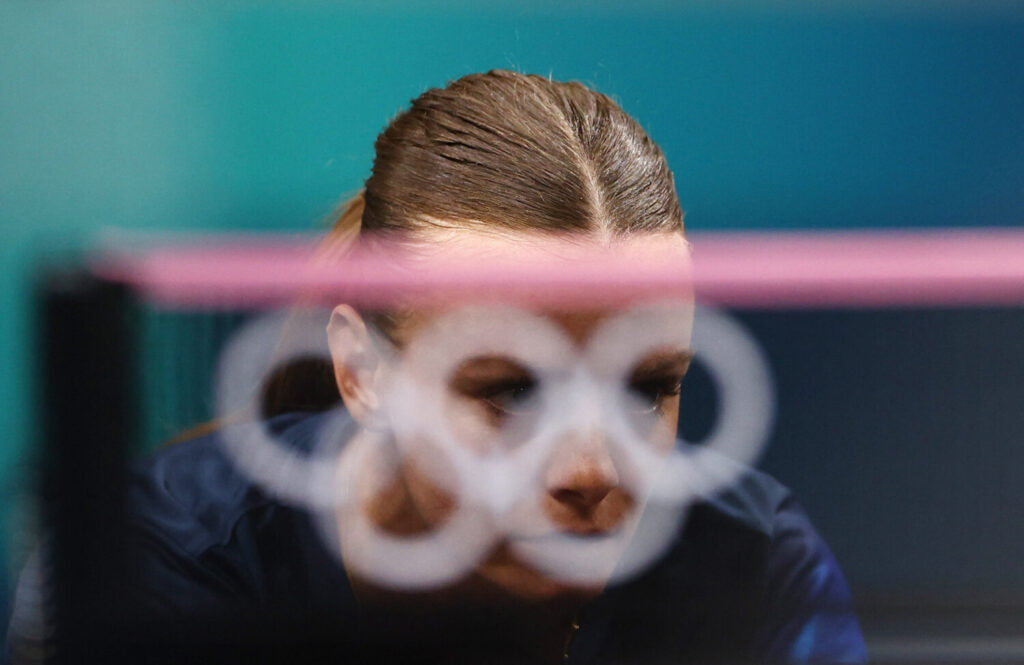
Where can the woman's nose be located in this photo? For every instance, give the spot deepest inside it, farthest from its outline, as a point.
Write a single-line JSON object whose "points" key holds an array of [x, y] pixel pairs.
{"points": [[582, 475]]}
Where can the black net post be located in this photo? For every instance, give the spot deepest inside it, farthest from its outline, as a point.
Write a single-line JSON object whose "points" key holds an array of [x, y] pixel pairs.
{"points": [[87, 365]]}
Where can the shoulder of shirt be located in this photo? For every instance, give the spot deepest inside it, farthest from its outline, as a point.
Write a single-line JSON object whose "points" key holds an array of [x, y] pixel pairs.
{"points": [[752, 501], [192, 496]]}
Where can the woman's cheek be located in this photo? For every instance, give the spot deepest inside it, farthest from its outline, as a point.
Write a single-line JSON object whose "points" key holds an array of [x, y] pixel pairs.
{"points": [[405, 501], [472, 427], [434, 504]]}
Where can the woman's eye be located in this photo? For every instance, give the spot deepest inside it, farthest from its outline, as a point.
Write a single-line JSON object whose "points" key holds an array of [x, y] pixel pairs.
{"points": [[510, 398], [650, 393], [503, 386]]}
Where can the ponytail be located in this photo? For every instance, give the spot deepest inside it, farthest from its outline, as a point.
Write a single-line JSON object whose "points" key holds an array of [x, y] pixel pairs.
{"points": [[345, 228]]}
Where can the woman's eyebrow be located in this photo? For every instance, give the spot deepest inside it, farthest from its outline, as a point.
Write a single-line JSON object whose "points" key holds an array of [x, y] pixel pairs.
{"points": [[480, 371], [665, 362], [491, 364]]}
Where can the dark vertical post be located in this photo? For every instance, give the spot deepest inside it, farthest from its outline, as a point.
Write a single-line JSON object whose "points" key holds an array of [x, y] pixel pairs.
{"points": [[87, 372]]}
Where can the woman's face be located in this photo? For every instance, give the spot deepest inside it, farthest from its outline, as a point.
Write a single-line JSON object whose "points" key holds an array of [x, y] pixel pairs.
{"points": [[493, 401]]}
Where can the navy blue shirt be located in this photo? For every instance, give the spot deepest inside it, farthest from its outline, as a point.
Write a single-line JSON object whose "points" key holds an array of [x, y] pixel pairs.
{"points": [[747, 578]]}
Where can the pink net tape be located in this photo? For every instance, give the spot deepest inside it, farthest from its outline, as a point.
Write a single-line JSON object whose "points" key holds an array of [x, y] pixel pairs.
{"points": [[760, 269]]}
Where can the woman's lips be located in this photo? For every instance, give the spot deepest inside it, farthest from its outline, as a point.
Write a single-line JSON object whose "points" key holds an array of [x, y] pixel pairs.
{"points": [[584, 532]]}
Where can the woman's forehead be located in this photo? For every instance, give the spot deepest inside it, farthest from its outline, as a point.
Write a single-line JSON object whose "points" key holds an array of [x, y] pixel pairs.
{"points": [[544, 252], [578, 325], [479, 240]]}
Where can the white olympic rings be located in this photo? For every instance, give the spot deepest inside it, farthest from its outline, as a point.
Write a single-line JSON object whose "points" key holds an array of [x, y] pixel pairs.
{"points": [[580, 391]]}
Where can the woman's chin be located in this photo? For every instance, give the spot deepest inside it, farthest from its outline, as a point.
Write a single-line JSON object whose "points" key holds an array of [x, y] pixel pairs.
{"points": [[520, 581]]}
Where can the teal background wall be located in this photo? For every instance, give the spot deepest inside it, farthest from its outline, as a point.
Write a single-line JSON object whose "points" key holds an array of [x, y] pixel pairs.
{"points": [[262, 115]]}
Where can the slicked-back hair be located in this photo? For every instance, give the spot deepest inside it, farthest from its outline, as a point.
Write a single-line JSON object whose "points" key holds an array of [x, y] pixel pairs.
{"points": [[510, 151]]}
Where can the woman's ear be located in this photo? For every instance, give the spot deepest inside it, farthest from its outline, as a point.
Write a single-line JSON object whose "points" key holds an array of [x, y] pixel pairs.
{"points": [[356, 362]]}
